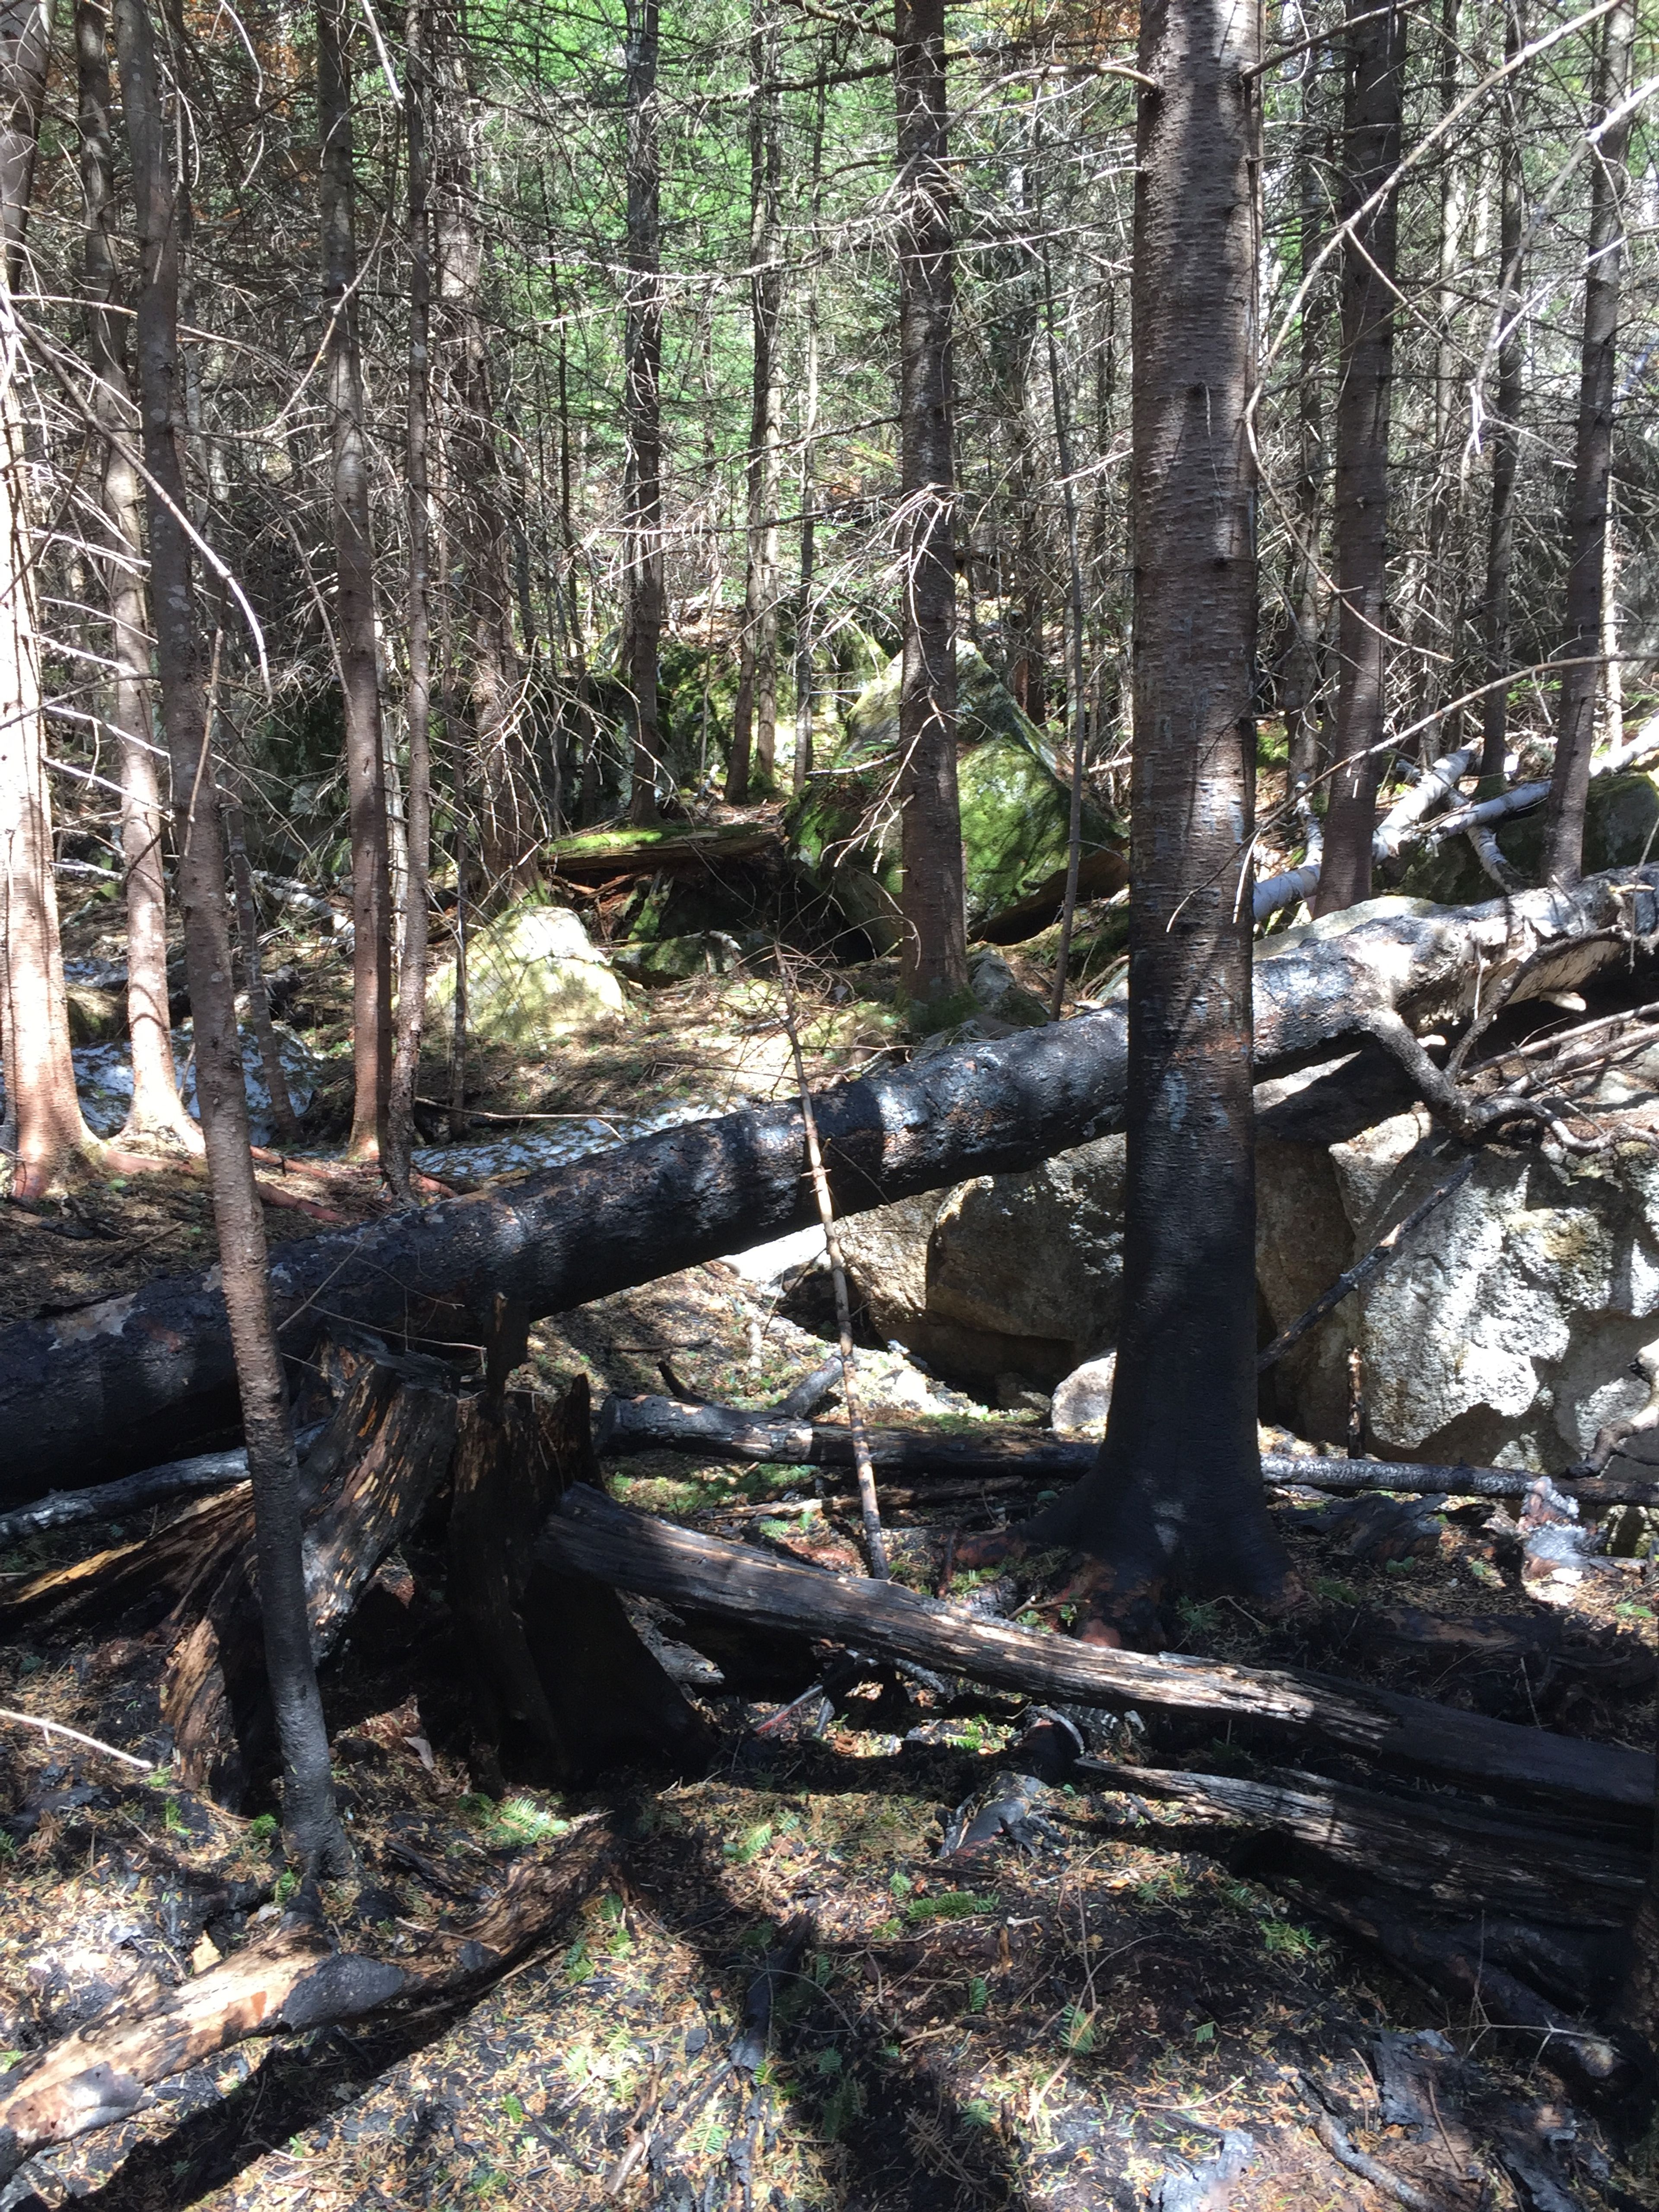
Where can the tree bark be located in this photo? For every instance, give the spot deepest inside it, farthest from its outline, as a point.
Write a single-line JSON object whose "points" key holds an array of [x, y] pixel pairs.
{"points": [[1506, 427], [138, 1378], [163, 207], [156, 1107], [1370, 154], [934, 963], [43, 1124], [411, 966], [1592, 471], [1305, 674], [754, 710], [353, 616], [593, 1535], [1181, 1497], [643, 616], [806, 615]]}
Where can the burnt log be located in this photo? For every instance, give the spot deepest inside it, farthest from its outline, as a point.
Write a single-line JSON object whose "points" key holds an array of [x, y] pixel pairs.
{"points": [[111, 1386], [630, 1425], [561, 1686], [290, 1983], [593, 1535], [1446, 1854]]}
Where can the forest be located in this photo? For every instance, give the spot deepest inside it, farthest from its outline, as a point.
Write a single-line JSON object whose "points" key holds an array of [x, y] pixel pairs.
{"points": [[830, 1105]]}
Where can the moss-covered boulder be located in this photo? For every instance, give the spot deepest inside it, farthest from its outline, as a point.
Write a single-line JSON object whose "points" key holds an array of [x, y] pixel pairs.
{"points": [[656, 962], [532, 976], [1016, 813], [1621, 828]]}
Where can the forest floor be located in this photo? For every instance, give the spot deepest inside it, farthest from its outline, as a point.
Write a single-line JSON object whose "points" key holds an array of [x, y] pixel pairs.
{"points": [[1131, 2008]]}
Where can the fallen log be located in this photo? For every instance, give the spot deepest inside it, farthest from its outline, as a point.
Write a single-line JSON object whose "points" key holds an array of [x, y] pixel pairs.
{"points": [[1453, 1963], [630, 1425], [590, 855], [133, 1493], [1438, 1851], [289, 1983], [112, 1386], [593, 1535]]}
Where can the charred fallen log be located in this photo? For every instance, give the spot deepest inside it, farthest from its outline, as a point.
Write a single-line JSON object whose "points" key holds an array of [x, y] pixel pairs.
{"points": [[287, 1984], [1441, 1852], [628, 1426], [134, 1379], [593, 1535]]}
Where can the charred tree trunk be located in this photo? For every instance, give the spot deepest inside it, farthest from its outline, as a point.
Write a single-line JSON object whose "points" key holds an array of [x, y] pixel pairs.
{"points": [[642, 615], [138, 1378], [156, 1107], [1304, 679], [163, 221], [1183, 1496], [1370, 154], [43, 1125], [755, 711], [354, 618], [935, 946], [1506, 429], [561, 1686], [1592, 472], [411, 966]]}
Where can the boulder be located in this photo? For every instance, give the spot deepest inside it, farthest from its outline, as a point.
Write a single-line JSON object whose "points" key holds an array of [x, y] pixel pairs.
{"points": [[1621, 828], [676, 959], [532, 975], [1083, 1401], [1016, 813]]}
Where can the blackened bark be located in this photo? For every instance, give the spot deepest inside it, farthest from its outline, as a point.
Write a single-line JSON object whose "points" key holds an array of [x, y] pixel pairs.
{"points": [[1506, 429], [411, 966], [353, 619], [935, 946], [1180, 1494], [1592, 472], [163, 211], [1370, 154], [135, 1379], [642, 407], [1304, 679]]}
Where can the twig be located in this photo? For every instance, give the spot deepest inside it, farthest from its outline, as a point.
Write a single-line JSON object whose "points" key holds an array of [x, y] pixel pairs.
{"points": [[875, 1549], [1362, 1271], [92, 1743]]}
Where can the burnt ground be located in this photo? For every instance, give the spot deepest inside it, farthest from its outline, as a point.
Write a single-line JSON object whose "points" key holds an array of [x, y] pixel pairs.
{"points": [[1130, 2008]]}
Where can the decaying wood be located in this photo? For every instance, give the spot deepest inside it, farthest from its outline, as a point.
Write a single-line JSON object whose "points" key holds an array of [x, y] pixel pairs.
{"points": [[134, 1379], [628, 1426], [285, 1984], [608, 855], [1453, 1962], [561, 1686], [368, 1477], [1442, 1852], [593, 1534]]}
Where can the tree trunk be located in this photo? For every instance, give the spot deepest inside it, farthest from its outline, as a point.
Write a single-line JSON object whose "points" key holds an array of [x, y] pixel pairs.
{"points": [[43, 1124], [139, 1377], [163, 209], [808, 481], [755, 707], [1592, 472], [1181, 1496], [157, 1108], [1371, 153], [1506, 428], [354, 615], [642, 408], [590, 1534], [935, 946], [412, 969], [510, 820], [1304, 676]]}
